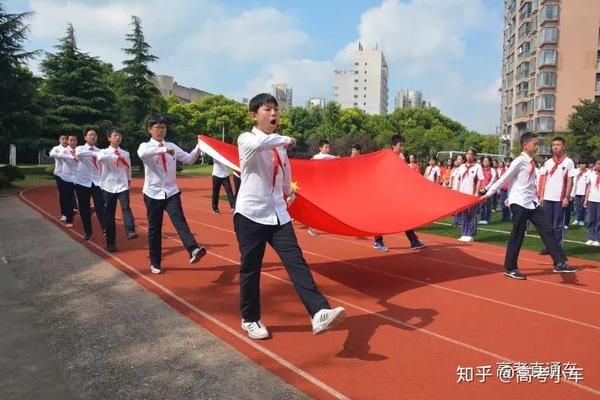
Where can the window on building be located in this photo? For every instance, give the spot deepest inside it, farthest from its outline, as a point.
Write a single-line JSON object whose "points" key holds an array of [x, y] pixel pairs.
{"points": [[365, 63], [355, 87], [546, 79], [597, 82], [364, 104], [545, 102], [598, 61], [365, 96], [356, 64], [365, 81], [530, 106], [546, 57], [356, 96], [356, 81], [365, 72], [544, 124], [355, 104], [548, 35], [549, 12]]}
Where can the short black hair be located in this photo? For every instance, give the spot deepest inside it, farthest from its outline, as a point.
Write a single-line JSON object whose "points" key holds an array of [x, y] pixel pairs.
{"points": [[527, 137], [323, 142], [62, 134], [72, 135], [434, 158], [398, 139], [260, 100], [472, 150], [116, 130], [582, 162], [559, 139], [357, 147], [155, 119], [509, 159]]}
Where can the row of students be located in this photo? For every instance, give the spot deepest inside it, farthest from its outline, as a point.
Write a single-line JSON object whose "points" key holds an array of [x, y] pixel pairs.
{"points": [[101, 176]]}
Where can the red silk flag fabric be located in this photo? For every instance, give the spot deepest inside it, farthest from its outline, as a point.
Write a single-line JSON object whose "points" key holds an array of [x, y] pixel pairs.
{"points": [[373, 194]]}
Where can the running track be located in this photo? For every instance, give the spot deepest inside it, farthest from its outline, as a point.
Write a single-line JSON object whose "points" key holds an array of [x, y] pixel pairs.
{"points": [[413, 318]]}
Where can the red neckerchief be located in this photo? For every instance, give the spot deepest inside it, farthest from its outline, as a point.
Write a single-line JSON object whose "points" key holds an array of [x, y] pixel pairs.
{"points": [[597, 179], [532, 168], [467, 171], [557, 162], [121, 160], [163, 157], [94, 159], [276, 164]]}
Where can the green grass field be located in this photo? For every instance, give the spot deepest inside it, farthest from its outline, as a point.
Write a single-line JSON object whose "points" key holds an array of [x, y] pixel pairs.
{"points": [[497, 233]]}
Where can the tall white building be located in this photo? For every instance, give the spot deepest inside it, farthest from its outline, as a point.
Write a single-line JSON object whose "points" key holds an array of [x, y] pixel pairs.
{"points": [[365, 86], [283, 94], [410, 99]]}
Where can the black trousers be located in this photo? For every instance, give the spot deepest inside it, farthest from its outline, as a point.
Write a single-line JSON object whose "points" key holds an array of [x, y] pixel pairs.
{"points": [[66, 194], [410, 235], [155, 210], [237, 182], [216, 189], [83, 198], [110, 204], [252, 238], [544, 227]]}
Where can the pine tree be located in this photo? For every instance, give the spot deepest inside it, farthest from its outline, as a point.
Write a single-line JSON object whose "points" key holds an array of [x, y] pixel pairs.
{"points": [[138, 97], [76, 89], [21, 115]]}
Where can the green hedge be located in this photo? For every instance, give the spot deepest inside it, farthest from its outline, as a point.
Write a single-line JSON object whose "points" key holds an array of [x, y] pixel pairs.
{"points": [[3, 180], [12, 173]]}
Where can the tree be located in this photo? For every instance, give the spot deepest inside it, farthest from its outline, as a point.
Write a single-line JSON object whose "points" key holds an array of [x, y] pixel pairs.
{"points": [[137, 95], [210, 115], [21, 113], [76, 91], [584, 124]]}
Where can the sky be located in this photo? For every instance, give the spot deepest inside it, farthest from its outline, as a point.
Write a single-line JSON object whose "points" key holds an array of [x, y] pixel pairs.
{"points": [[451, 50]]}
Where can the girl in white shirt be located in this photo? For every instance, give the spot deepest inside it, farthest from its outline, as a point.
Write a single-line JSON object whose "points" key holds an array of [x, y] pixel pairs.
{"points": [[470, 176], [592, 203]]}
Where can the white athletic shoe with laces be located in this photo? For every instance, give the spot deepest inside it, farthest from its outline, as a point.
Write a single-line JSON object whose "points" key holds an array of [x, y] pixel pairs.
{"points": [[326, 318], [256, 330]]}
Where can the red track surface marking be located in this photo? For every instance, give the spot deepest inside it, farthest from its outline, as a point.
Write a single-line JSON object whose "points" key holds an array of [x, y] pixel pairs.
{"points": [[413, 318]]}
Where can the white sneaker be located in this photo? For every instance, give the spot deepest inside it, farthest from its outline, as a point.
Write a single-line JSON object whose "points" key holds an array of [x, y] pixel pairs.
{"points": [[482, 222], [461, 239], [575, 223], [469, 239], [325, 319], [566, 227], [581, 223], [597, 244], [63, 218], [312, 232], [256, 330], [155, 270], [197, 254], [589, 243]]}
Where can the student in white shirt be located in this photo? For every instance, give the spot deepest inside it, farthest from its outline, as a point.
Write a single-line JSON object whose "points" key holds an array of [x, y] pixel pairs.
{"points": [[581, 178], [556, 183], [88, 183], [323, 154], [220, 176], [68, 158], [489, 177], [161, 192], [454, 184], [592, 203], [58, 168], [470, 176], [114, 181], [524, 205], [432, 172], [261, 217]]}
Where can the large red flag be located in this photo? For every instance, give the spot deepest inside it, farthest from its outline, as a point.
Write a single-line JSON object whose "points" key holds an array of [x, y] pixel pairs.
{"points": [[373, 194]]}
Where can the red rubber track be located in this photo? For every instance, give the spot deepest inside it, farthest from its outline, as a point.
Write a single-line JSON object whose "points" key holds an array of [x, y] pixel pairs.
{"points": [[413, 317]]}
